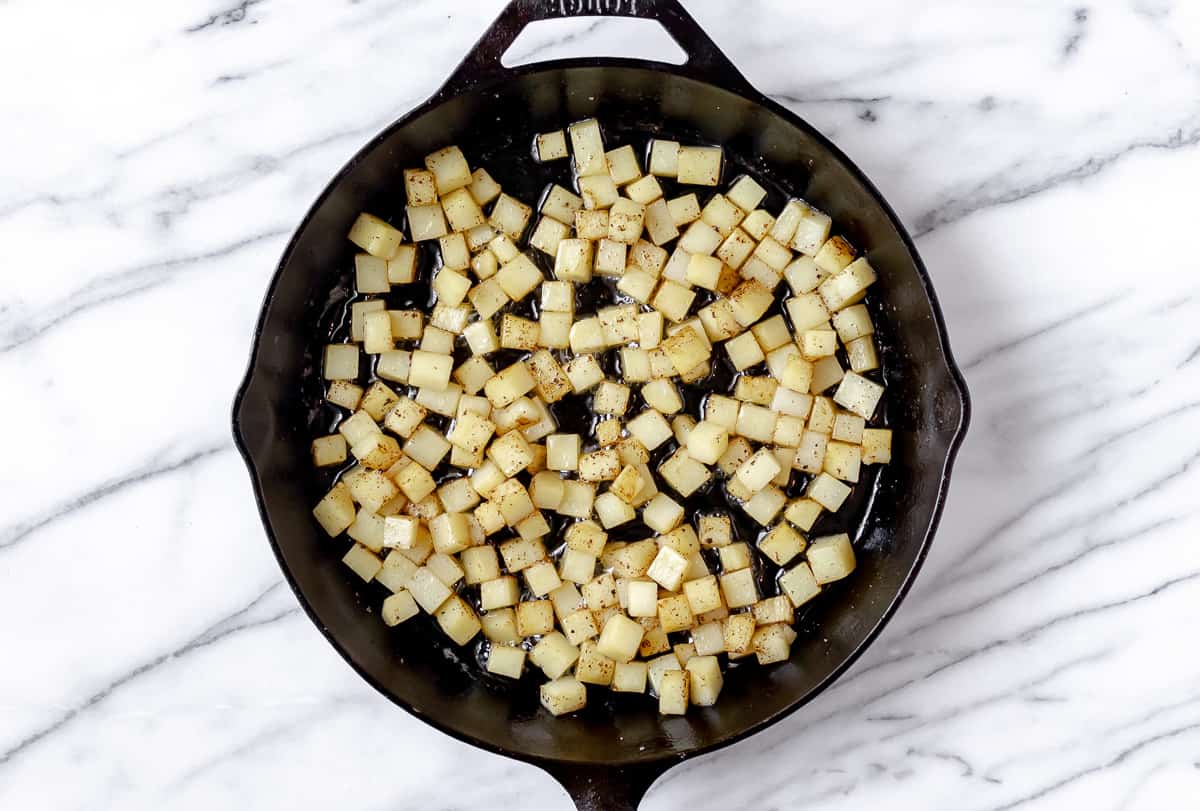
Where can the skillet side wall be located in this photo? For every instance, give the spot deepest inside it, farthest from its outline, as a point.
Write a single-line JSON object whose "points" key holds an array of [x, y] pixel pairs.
{"points": [[494, 125]]}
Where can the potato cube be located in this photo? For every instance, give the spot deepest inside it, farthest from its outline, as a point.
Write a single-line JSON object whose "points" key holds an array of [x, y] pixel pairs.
{"points": [[842, 460], [673, 693], [703, 594], [578, 499], [563, 695], [734, 250], [833, 256], [377, 451], [359, 309], [335, 511], [623, 165], [375, 236], [772, 643], [620, 638], [554, 653], [698, 165], [660, 223], [430, 370], [858, 394], [505, 660], [542, 578], [803, 512], [329, 450], [509, 217], [480, 564], [644, 190], [451, 533], [551, 146], [444, 568], [357, 427], [739, 634], [744, 351], [612, 511], [876, 446], [593, 667], [642, 598], [700, 238], [668, 568], [758, 223], [428, 590], [765, 504], [684, 473], [462, 212], [812, 231], [587, 144], [827, 491], [341, 362], [799, 584], [514, 502], [847, 286], [629, 677], [750, 301], [704, 680], [415, 482], [862, 355], [426, 222], [499, 592], [831, 558], [397, 608], [675, 613], [757, 471], [756, 423], [370, 274], [626, 219], [426, 447], [362, 562], [662, 513], [738, 588], [746, 193], [782, 544]]}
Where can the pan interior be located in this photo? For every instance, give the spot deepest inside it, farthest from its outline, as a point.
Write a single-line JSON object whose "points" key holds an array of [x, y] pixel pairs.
{"points": [[282, 409]]}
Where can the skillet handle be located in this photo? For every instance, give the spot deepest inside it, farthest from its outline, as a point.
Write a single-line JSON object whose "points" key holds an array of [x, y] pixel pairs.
{"points": [[705, 62], [606, 788]]}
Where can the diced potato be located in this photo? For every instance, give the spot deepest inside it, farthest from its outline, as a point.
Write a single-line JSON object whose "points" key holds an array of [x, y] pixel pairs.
{"points": [[363, 562], [551, 146], [765, 504], [722, 214], [341, 362], [735, 249], [831, 558], [705, 680], [876, 446], [626, 219], [699, 165], [335, 511], [587, 144], [673, 692], [700, 238], [509, 216], [483, 188], [623, 165], [370, 274], [554, 653], [620, 638], [505, 660], [847, 286], [684, 473], [629, 677], [593, 667], [375, 236], [862, 355], [328, 451], [397, 608], [562, 696], [758, 223], [668, 569], [660, 222], [645, 190]]}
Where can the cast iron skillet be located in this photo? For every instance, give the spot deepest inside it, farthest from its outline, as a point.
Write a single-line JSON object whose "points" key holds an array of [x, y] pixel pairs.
{"points": [[608, 755]]}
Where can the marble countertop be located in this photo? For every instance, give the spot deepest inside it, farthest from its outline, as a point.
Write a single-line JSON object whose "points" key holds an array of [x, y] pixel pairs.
{"points": [[156, 157]]}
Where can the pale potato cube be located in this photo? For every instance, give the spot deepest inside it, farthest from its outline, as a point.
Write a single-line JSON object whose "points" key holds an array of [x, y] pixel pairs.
{"points": [[660, 222], [655, 642], [773, 643], [404, 417], [598, 194], [561, 205], [562, 451], [682, 426], [707, 442], [341, 362], [827, 491], [612, 511], [831, 558], [715, 531], [746, 193], [623, 165], [335, 511], [858, 394], [551, 146], [542, 578], [744, 351], [668, 568], [463, 214], [626, 219], [755, 268], [708, 639], [700, 238], [610, 258], [473, 375], [834, 255], [601, 465], [357, 427], [675, 613], [426, 222], [843, 460], [553, 653], [765, 504], [736, 249], [444, 568], [673, 693], [430, 370], [329, 450], [428, 590], [662, 513], [359, 309], [642, 598], [853, 322], [750, 301], [629, 677], [548, 234], [698, 165], [773, 609], [578, 499], [758, 223], [593, 667], [627, 484], [397, 608], [554, 330], [645, 190], [789, 431], [663, 396], [562, 696], [518, 278], [799, 584], [703, 594], [684, 473], [586, 537], [782, 544], [848, 286], [806, 311], [370, 274], [427, 447], [802, 275], [515, 505], [499, 592], [637, 284], [818, 343], [722, 214], [721, 410], [739, 634], [375, 236], [772, 254], [862, 355], [719, 321], [506, 660], [546, 489], [620, 638], [705, 680], [577, 567], [587, 144], [590, 224], [509, 216], [876, 446], [483, 188], [648, 256], [758, 471], [500, 626], [480, 564], [377, 451], [704, 271], [821, 417], [803, 512], [812, 231], [535, 618], [738, 588], [650, 428], [363, 562], [756, 423]]}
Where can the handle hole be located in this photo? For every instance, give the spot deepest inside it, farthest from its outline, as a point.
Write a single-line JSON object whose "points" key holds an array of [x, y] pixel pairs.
{"points": [[593, 36]]}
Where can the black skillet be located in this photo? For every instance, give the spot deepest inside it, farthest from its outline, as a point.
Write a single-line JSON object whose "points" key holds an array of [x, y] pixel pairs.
{"points": [[608, 755]]}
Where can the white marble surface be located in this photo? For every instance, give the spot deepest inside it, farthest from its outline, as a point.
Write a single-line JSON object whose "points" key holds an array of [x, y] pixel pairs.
{"points": [[154, 158]]}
